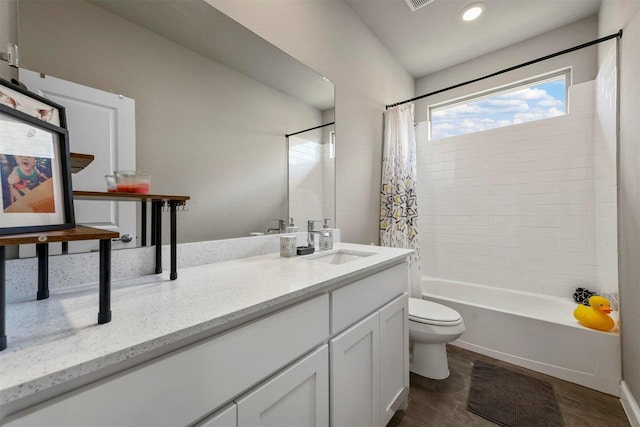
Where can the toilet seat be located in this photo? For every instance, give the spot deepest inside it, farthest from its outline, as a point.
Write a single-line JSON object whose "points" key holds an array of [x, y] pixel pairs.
{"points": [[431, 313]]}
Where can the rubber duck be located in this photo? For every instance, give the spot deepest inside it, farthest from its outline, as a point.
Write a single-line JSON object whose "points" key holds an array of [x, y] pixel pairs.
{"points": [[596, 316]]}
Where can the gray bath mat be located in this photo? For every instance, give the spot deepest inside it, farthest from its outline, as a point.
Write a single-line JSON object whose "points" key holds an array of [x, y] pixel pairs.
{"points": [[511, 399]]}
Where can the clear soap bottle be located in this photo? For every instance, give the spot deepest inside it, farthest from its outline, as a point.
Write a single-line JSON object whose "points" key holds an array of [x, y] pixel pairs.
{"points": [[326, 236], [291, 227]]}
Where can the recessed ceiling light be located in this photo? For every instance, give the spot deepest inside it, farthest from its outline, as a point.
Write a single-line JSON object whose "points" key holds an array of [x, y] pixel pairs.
{"points": [[472, 11]]}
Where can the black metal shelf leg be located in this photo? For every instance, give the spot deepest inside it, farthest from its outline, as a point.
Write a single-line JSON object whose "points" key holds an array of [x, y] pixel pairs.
{"points": [[104, 315], [143, 227], [153, 223], [3, 301], [157, 208], [174, 241], [42, 251]]}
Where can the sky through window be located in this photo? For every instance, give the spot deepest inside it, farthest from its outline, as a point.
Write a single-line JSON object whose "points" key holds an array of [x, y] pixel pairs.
{"points": [[524, 104]]}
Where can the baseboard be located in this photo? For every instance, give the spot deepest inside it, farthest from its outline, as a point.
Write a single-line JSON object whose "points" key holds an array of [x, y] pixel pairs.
{"points": [[630, 405]]}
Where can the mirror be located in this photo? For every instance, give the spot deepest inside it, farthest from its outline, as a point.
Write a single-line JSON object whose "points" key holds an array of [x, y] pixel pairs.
{"points": [[213, 101]]}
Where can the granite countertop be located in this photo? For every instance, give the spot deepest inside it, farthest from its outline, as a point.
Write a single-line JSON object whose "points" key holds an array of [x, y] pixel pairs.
{"points": [[57, 340]]}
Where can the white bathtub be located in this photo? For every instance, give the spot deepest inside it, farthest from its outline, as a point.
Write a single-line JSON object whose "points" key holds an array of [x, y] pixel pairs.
{"points": [[537, 332]]}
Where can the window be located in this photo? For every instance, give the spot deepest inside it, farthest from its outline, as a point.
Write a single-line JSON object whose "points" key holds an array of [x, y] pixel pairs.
{"points": [[535, 99]]}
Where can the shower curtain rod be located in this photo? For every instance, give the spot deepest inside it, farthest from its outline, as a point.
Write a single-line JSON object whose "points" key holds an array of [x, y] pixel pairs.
{"points": [[306, 130], [515, 67]]}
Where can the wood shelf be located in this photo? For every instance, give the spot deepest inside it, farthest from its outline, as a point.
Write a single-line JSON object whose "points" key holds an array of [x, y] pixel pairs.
{"points": [[79, 232], [80, 161], [87, 195], [42, 240], [158, 201]]}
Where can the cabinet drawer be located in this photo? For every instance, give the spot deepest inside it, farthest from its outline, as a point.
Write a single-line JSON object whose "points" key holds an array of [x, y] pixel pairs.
{"points": [[183, 386], [353, 302]]}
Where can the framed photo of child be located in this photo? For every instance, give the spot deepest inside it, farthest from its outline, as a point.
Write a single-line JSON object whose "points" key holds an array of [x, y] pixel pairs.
{"points": [[35, 174]]}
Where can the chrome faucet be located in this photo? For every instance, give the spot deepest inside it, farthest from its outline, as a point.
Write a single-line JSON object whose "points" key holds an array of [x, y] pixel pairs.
{"points": [[310, 233], [281, 226]]}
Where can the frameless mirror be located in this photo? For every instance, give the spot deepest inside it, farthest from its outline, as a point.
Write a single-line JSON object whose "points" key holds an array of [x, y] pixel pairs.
{"points": [[213, 101]]}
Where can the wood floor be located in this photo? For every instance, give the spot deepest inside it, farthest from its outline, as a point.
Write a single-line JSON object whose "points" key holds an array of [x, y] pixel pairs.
{"points": [[443, 403]]}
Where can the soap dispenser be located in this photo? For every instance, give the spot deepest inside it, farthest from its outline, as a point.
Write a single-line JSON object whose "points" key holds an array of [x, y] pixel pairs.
{"points": [[326, 236], [291, 228]]}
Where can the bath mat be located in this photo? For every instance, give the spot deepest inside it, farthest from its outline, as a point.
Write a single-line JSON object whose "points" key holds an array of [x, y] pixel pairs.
{"points": [[512, 399]]}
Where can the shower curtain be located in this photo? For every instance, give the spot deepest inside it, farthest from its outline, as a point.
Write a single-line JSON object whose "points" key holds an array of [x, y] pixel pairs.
{"points": [[398, 198]]}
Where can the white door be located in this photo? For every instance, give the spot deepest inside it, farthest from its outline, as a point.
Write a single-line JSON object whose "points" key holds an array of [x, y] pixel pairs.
{"points": [[355, 375], [102, 124], [394, 357], [298, 396]]}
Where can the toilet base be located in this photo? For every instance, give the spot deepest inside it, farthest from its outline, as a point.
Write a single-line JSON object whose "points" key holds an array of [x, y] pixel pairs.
{"points": [[430, 361]]}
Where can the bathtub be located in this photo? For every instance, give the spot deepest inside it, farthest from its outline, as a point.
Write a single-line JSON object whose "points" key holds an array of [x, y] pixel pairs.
{"points": [[534, 331]]}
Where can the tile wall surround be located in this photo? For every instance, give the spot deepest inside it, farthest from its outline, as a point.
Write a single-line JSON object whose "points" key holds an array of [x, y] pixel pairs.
{"points": [[515, 207], [67, 272], [311, 186]]}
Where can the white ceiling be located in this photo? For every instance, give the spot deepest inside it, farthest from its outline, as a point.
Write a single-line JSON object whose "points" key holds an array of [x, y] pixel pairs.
{"points": [[434, 37]]}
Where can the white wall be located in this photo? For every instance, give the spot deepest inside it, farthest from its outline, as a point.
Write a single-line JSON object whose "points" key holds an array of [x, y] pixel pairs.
{"points": [[8, 34], [615, 15], [328, 37], [513, 207]]}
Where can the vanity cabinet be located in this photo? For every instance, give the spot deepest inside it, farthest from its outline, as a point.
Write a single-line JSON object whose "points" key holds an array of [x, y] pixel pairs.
{"points": [[370, 368], [339, 358], [182, 387], [369, 361]]}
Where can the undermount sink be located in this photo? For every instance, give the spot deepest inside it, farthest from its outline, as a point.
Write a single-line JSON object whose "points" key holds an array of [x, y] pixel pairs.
{"points": [[338, 256]]}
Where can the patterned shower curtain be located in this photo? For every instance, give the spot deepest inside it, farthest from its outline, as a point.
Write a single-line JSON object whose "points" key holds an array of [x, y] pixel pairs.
{"points": [[398, 198]]}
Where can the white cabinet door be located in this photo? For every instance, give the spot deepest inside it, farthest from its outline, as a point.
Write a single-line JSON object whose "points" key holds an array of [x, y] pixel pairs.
{"points": [[355, 375], [225, 417], [298, 396], [394, 357]]}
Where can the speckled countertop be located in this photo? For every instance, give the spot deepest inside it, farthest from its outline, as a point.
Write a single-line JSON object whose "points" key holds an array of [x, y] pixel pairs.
{"points": [[57, 340]]}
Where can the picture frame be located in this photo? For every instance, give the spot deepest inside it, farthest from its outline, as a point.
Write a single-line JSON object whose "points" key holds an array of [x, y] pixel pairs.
{"points": [[39, 107], [35, 175]]}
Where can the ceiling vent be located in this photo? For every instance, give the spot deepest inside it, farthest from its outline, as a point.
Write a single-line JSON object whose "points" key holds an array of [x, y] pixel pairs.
{"points": [[417, 4]]}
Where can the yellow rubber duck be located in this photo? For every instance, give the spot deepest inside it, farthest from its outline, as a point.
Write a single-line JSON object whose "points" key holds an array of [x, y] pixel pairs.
{"points": [[596, 316]]}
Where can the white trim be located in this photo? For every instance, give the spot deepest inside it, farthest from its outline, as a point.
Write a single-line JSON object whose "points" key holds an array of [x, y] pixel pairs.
{"points": [[630, 405]]}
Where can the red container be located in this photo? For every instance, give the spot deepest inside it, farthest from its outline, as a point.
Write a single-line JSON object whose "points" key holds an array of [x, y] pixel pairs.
{"points": [[133, 182]]}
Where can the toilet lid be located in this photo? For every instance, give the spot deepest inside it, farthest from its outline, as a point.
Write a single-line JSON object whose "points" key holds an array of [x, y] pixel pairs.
{"points": [[430, 312]]}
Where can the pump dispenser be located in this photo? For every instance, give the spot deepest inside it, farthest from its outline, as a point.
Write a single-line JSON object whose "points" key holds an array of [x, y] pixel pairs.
{"points": [[291, 228], [326, 236]]}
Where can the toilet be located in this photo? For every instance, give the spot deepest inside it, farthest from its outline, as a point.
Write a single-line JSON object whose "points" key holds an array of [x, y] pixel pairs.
{"points": [[431, 327]]}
